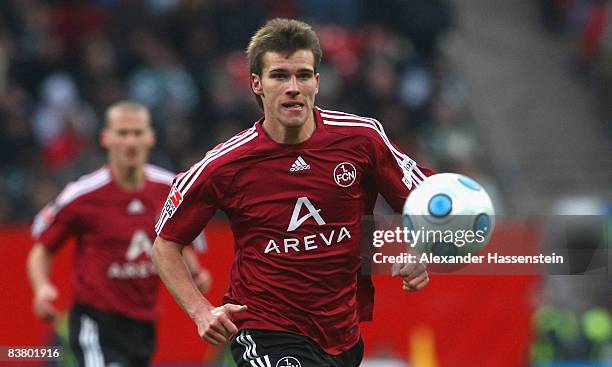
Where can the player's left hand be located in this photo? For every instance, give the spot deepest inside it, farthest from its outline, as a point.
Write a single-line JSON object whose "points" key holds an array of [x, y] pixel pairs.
{"points": [[414, 275]]}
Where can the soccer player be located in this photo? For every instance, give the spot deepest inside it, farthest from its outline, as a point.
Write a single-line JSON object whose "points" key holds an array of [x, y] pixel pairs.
{"points": [[112, 213], [294, 187]]}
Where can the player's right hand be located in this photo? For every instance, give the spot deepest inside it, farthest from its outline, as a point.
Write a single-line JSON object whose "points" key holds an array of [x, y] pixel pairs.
{"points": [[43, 302], [216, 325]]}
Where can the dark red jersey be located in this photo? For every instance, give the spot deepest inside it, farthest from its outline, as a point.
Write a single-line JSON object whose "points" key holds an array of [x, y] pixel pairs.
{"points": [[114, 231], [295, 212]]}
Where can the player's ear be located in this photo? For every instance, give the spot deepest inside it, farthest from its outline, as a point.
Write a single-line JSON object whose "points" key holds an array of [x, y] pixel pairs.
{"points": [[104, 138], [256, 86], [152, 139], [318, 79]]}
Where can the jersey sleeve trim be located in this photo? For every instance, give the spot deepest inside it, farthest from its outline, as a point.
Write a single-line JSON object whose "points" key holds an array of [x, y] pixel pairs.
{"points": [[185, 181], [158, 174], [71, 192], [413, 176], [84, 185]]}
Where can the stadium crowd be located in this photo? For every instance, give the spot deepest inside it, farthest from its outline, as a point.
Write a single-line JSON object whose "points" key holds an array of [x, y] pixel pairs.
{"points": [[62, 62], [585, 26], [573, 319]]}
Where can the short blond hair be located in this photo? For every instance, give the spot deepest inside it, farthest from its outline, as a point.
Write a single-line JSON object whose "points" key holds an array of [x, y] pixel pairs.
{"points": [[125, 106]]}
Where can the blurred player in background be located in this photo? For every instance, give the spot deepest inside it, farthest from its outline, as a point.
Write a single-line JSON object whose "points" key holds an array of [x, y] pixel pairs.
{"points": [[295, 187], [112, 213]]}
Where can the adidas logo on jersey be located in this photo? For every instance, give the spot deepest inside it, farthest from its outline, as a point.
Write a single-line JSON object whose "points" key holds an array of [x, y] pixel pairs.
{"points": [[299, 165], [135, 207]]}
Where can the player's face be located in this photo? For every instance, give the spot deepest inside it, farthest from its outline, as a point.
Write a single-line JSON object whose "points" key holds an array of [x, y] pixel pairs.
{"points": [[128, 138], [287, 87]]}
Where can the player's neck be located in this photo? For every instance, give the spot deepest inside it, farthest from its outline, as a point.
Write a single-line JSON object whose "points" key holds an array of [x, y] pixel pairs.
{"points": [[289, 135], [128, 178]]}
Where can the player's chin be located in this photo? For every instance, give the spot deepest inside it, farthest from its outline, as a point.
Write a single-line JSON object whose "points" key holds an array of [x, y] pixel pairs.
{"points": [[133, 162], [294, 121]]}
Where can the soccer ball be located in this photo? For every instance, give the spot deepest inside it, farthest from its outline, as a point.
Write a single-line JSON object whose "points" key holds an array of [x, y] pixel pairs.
{"points": [[449, 214]]}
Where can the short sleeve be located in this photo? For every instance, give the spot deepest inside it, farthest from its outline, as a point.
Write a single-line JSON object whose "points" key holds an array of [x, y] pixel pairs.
{"points": [[395, 173], [189, 206], [53, 225]]}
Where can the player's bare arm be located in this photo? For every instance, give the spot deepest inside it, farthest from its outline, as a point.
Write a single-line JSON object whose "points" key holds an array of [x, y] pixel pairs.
{"points": [[39, 269], [200, 275], [214, 323]]}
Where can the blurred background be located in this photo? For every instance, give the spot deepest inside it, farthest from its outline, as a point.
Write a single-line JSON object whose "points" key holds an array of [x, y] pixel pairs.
{"points": [[515, 93]]}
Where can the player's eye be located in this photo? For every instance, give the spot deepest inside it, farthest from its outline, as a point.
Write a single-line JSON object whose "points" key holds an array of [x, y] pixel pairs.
{"points": [[278, 76], [305, 76]]}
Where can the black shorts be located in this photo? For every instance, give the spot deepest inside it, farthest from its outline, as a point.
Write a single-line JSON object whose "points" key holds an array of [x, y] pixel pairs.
{"points": [[264, 348], [99, 339]]}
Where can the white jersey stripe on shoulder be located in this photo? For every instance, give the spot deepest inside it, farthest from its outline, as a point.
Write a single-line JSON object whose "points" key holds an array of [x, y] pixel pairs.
{"points": [[416, 178], [161, 221], [187, 174], [240, 135], [158, 174], [340, 115], [337, 112], [185, 185], [377, 126], [158, 170], [211, 158], [83, 185], [74, 191], [234, 140], [399, 157], [160, 179], [420, 173], [212, 152], [227, 143], [368, 125], [71, 192]]}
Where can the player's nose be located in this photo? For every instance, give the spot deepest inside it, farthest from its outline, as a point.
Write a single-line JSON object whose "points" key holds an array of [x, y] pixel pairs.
{"points": [[131, 140], [292, 87]]}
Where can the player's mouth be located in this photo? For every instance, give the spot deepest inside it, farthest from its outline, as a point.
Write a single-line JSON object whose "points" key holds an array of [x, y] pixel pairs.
{"points": [[293, 106], [131, 153]]}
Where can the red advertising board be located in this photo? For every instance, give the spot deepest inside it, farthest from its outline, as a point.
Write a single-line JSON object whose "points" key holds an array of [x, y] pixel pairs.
{"points": [[458, 320]]}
